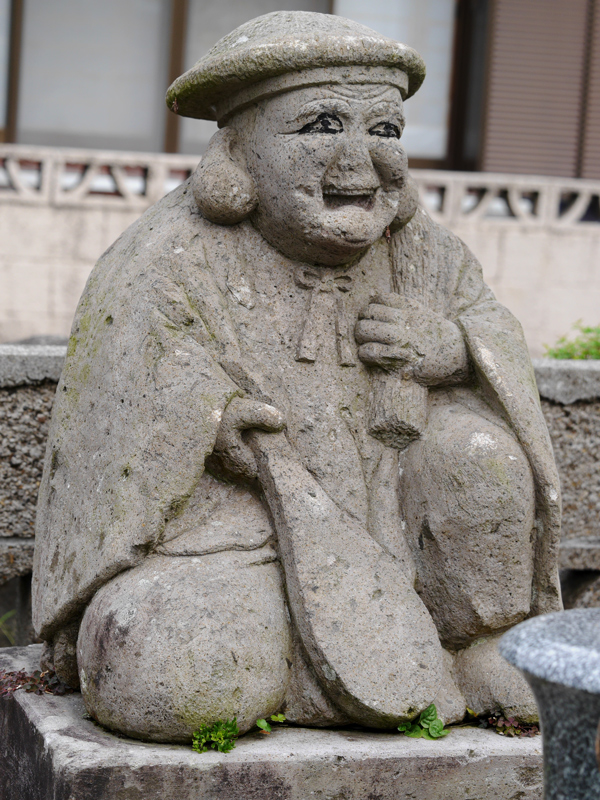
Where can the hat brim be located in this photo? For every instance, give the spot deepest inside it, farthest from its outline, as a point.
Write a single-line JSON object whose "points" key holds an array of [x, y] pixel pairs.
{"points": [[197, 92]]}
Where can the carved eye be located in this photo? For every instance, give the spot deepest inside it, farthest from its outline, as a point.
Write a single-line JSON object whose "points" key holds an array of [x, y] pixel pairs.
{"points": [[385, 129], [324, 123]]}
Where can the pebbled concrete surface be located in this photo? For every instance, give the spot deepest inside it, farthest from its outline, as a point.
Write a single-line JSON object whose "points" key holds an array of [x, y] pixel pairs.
{"points": [[24, 417], [575, 434], [50, 749]]}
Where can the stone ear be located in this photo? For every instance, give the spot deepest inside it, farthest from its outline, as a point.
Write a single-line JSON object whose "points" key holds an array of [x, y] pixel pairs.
{"points": [[223, 189], [407, 207]]}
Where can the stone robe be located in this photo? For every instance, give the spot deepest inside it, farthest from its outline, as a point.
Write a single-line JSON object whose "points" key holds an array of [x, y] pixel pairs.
{"points": [[178, 317]]}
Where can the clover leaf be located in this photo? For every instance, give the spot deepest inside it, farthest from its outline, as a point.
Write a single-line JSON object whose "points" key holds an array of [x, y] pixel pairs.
{"points": [[428, 726]]}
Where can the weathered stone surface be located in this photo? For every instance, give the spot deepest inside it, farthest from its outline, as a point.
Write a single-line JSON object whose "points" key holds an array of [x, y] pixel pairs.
{"points": [[327, 338], [30, 363], [24, 420], [568, 381], [488, 681], [163, 647], [50, 748], [575, 433], [559, 654]]}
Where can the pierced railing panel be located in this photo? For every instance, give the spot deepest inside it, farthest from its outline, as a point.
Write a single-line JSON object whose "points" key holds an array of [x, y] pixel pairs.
{"points": [[457, 197]]}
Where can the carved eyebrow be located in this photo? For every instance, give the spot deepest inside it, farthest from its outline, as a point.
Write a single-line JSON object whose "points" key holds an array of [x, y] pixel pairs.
{"points": [[386, 108], [328, 105]]}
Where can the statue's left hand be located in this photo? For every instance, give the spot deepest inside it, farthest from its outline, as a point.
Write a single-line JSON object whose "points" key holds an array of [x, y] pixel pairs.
{"points": [[397, 333], [241, 415]]}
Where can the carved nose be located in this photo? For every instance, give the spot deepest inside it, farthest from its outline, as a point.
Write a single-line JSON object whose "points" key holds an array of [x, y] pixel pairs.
{"points": [[351, 170]]}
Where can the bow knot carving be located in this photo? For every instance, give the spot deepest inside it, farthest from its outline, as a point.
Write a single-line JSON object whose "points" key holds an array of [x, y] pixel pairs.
{"points": [[322, 283]]}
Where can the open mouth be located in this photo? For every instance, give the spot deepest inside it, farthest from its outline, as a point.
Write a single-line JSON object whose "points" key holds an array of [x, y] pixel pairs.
{"points": [[338, 199]]}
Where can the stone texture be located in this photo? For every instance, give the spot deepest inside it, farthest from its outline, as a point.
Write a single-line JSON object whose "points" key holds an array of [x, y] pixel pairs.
{"points": [[488, 681], [575, 433], [567, 382], [30, 363], [24, 419], [163, 647], [329, 335], [581, 554], [559, 654], [16, 558], [232, 64], [50, 748]]}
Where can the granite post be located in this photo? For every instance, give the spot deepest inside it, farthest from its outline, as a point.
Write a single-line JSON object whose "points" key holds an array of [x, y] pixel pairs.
{"points": [[559, 654]]}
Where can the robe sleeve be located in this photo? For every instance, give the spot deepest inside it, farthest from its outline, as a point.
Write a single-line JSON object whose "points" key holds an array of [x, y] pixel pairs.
{"points": [[501, 359], [136, 413]]}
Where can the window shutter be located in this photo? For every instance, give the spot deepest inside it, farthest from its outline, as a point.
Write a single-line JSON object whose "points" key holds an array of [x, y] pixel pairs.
{"points": [[590, 158], [535, 82]]}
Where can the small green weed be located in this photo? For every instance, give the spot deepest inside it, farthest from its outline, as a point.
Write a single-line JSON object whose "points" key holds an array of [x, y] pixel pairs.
{"points": [[428, 726], [586, 345], [264, 725], [221, 736]]}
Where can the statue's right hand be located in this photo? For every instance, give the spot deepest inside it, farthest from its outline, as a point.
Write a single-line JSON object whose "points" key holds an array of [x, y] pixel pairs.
{"points": [[242, 415]]}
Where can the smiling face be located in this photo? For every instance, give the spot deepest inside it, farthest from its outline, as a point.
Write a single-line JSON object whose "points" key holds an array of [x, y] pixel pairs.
{"points": [[329, 168]]}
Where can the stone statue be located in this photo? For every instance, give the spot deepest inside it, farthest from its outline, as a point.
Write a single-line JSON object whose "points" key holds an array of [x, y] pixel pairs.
{"points": [[297, 460]]}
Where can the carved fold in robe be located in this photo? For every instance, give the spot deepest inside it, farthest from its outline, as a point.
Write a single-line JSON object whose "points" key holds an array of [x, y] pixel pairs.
{"points": [[178, 317]]}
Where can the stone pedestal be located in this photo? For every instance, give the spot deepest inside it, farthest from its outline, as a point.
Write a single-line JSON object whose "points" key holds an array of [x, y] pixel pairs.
{"points": [[49, 748], [559, 654]]}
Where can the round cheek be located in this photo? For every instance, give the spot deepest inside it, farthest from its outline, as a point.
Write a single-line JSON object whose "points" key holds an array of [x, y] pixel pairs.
{"points": [[390, 161], [269, 169], [310, 157]]}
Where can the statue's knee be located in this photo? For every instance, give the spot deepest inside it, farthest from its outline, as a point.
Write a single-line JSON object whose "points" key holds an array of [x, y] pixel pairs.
{"points": [[179, 642], [469, 502]]}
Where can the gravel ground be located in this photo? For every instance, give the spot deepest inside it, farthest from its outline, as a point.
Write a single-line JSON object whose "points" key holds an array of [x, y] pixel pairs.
{"points": [[575, 433], [24, 417]]}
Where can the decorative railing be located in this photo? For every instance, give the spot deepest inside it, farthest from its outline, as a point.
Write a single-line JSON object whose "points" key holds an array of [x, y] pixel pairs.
{"points": [[133, 181], [61, 177], [462, 197]]}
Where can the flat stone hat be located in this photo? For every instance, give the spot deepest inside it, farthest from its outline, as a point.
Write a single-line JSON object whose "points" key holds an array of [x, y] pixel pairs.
{"points": [[287, 43]]}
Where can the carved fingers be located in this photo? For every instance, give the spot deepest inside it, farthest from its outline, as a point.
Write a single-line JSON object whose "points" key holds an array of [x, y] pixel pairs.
{"points": [[241, 415], [399, 333], [384, 334]]}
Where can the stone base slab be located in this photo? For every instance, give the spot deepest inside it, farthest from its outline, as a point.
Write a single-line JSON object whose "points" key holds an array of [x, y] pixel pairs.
{"points": [[51, 750]]}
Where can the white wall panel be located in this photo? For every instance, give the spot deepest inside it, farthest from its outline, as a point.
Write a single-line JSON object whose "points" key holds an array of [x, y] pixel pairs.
{"points": [[94, 73]]}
